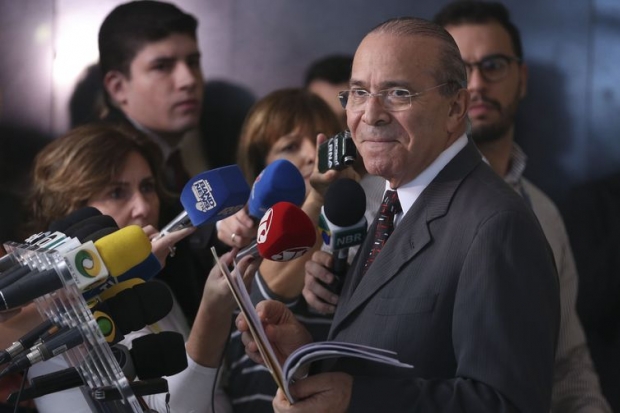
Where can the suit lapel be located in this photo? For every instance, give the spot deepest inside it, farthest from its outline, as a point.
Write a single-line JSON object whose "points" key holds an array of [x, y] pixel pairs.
{"points": [[410, 237]]}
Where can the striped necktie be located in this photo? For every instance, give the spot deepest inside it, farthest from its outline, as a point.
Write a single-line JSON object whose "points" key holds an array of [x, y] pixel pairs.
{"points": [[385, 225]]}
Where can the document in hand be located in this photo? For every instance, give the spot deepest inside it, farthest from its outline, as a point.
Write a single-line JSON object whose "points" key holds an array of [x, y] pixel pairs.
{"points": [[304, 355]]}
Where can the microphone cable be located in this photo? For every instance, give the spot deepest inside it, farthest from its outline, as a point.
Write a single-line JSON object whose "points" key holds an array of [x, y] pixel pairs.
{"points": [[219, 365], [21, 387]]}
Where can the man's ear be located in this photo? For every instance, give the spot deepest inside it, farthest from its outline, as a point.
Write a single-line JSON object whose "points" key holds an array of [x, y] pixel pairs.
{"points": [[115, 84], [457, 112]]}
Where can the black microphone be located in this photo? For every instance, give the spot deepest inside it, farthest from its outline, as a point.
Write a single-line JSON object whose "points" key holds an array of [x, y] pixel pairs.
{"points": [[13, 275], [76, 216], [26, 341], [139, 388], [132, 309], [85, 228], [100, 233], [58, 344], [342, 224], [167, 347]]}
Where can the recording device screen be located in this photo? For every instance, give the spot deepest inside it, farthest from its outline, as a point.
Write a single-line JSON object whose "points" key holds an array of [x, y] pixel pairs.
{"points": [[337, 152]]}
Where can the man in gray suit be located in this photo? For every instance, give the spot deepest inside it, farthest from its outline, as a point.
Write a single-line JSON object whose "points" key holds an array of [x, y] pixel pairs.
{"points": [[464, 288], [491, 48]]}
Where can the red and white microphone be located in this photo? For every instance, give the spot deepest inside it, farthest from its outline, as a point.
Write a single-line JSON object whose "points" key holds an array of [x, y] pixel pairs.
{"points": [[285, 232]]}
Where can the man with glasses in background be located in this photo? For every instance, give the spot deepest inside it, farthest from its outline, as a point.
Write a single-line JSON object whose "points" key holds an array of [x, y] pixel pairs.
{"points": [[454, 275], [490, 46]]}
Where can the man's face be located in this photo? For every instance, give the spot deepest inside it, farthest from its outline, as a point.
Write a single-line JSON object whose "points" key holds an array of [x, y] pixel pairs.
{"points": [[164, 90], [399, 145], [493, 103]]}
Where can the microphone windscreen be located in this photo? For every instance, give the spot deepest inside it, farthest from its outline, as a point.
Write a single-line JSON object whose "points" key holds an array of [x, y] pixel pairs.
{"points": [[124, 249], [280, 181], [73, 218], [96, 222], [167, 347], [113, 289], [98, 234], [125, 311], [285, 232], [345, 202], [155, 300], [215, 194]]}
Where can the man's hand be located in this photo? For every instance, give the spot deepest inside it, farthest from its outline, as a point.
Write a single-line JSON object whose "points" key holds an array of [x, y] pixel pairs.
{"points": [[326, 392], [237, 230], [321, 181], [284, 332], [316, 294]]}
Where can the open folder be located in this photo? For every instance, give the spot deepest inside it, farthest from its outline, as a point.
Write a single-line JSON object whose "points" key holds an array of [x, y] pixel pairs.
{"points": [[303, 356]]}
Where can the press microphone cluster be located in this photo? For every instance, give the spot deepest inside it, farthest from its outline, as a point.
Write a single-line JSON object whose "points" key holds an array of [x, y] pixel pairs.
{"points": [[342, 224], [79, 256], [86, 265], [59, 227]]}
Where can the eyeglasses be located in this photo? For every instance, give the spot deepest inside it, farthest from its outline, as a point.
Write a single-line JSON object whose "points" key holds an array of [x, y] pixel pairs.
{"points": [[392, 100], [492, 68]]}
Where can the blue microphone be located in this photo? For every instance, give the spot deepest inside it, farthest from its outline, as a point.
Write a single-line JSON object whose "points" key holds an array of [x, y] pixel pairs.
{"points": [[280, 181], [209, 197]]}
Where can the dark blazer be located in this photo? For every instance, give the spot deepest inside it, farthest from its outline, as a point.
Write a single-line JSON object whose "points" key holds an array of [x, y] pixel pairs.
{"points": [[465, 289]]}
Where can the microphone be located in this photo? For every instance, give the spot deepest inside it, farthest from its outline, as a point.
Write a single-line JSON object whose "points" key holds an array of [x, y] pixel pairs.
{"points": [[26, 341], [280, 181], [285, 232], [89, 226], [88, 265], [132, 309], [139, 388], [142, 272], [76, 216], [209, 197], [84, 231], [57, 344], [342, 224], [165, 347], [58, 226]]}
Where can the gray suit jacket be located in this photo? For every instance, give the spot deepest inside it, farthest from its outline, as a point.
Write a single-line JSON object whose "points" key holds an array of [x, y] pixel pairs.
{"points": [[465, 289]]}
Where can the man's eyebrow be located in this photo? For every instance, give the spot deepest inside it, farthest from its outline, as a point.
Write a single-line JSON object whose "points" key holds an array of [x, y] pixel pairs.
{"points": [[384, 85], [162, 59]]}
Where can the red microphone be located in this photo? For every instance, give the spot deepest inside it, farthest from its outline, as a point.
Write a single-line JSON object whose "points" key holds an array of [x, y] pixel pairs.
{"points": [[285, 232]]}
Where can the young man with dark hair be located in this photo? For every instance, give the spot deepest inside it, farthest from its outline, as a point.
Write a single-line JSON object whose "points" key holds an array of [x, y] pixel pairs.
{"points": [[150, 63], [490, 47]]}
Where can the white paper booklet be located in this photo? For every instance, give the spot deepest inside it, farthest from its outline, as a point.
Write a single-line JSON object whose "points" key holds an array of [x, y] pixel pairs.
{"points": [[304, 355]]}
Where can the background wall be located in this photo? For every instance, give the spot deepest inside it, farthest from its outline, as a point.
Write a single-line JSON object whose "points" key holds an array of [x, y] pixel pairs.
{"points": [[567, 125]]}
